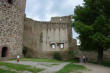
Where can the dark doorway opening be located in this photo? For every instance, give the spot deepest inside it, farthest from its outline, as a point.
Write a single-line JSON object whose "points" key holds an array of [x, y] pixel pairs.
{"points": [[4, 52]]}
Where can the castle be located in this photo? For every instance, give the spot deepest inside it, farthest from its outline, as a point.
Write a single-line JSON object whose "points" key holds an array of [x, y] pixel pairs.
{"points": [[44, 38], [41, 38]]}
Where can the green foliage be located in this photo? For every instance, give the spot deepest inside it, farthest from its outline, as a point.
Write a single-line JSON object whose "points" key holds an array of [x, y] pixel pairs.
{"points": [[82, 28], [57, 56], [20, 67], [92, 22], [71, 54], [72, 68], [6, 71]]}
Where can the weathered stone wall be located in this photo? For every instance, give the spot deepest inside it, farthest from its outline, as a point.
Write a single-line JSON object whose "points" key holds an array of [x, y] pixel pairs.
{"points": [[12, 26], [92, 56], [38, 36], [107, 55]]}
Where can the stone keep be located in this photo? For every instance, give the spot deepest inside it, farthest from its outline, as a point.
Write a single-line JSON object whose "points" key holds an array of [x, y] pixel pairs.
{"points": [[11, 27], [42, 38]]}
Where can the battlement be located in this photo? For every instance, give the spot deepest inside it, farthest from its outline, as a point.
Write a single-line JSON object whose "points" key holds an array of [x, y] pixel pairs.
{"points": [[61, 19], [54, 20]]}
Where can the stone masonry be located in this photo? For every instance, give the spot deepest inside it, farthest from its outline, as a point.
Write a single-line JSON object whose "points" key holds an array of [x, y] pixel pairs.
{"points": [[11, 27], [44, 38]]}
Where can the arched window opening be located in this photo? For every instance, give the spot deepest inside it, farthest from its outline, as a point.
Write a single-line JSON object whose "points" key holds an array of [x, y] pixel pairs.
{"points": [[61, 45], [53, 45]]}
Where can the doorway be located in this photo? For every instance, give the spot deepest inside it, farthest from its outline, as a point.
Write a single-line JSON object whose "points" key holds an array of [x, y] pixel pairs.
{"points": [[4, 52]]}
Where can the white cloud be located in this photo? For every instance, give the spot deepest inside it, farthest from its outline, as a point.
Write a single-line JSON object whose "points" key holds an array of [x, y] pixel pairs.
{"points": [[45, 9], [31, 8]]}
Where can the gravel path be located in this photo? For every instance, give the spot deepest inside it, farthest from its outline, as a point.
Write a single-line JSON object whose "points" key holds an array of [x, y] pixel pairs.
{"points": [[96, 68], [48, 67], [54, 68]]}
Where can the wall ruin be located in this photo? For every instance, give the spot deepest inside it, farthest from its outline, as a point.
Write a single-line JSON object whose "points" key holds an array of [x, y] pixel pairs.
{"points": [[39, 36]]}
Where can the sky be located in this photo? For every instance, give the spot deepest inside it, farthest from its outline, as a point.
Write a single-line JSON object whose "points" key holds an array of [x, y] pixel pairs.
{"points": [[43, 10]]}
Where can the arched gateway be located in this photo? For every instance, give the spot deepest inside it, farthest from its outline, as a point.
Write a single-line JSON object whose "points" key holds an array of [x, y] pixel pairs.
{"points": [[4, 52]]}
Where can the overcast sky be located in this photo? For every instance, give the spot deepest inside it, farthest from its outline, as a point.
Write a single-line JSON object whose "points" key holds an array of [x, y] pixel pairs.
{"points": [[43, 10]]}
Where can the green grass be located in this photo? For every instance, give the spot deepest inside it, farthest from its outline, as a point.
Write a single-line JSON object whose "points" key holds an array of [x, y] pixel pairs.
{"points": [[39, 60], [20, 67], [71, 67], [105, 63], [6, 71]]}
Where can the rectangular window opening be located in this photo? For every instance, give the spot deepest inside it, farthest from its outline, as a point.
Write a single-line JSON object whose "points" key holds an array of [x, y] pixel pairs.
{"points": [[61, 45], [53, 45]]}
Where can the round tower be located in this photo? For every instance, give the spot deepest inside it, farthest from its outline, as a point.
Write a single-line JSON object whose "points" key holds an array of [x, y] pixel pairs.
{"points": [[11, 27]]}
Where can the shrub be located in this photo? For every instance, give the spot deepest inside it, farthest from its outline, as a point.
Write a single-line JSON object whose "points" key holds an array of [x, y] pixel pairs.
{"points": [[57, 56], [71, 54]]}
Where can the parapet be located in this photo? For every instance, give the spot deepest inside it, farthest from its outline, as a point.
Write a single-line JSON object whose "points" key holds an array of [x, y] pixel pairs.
{"points": [[54, 20], [61, 19]]}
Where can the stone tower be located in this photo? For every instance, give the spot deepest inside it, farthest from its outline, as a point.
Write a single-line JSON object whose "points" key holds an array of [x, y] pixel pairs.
{"points": [[11, 27]]}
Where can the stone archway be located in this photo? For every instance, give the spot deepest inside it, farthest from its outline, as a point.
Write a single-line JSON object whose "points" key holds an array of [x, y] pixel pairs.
{"points": [[4, 52]]}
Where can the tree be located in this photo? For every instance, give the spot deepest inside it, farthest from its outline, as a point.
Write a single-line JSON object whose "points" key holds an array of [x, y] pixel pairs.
{"points": [[92, 22]]}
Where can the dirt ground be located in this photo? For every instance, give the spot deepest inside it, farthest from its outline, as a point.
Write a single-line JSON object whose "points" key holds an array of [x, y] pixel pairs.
{"points": [[96, 68]]}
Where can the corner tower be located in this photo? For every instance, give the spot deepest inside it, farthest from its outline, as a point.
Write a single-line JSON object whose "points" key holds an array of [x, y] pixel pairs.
{"points": [[11, 27]]}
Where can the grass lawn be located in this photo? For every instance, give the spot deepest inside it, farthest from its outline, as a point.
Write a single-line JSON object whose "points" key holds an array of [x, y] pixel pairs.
{"points": [[39, 60], [19, 67], [105, 63], [71, 68], [6, 71]]}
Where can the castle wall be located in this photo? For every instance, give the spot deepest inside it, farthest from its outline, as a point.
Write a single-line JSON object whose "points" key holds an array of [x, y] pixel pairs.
{"points": [[32, 38], [11, 27], [39, 36], [92, 56]]}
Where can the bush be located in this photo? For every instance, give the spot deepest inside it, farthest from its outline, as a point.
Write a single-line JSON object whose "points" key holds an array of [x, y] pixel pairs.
{"points": [[57, 56], [71, 55]]}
